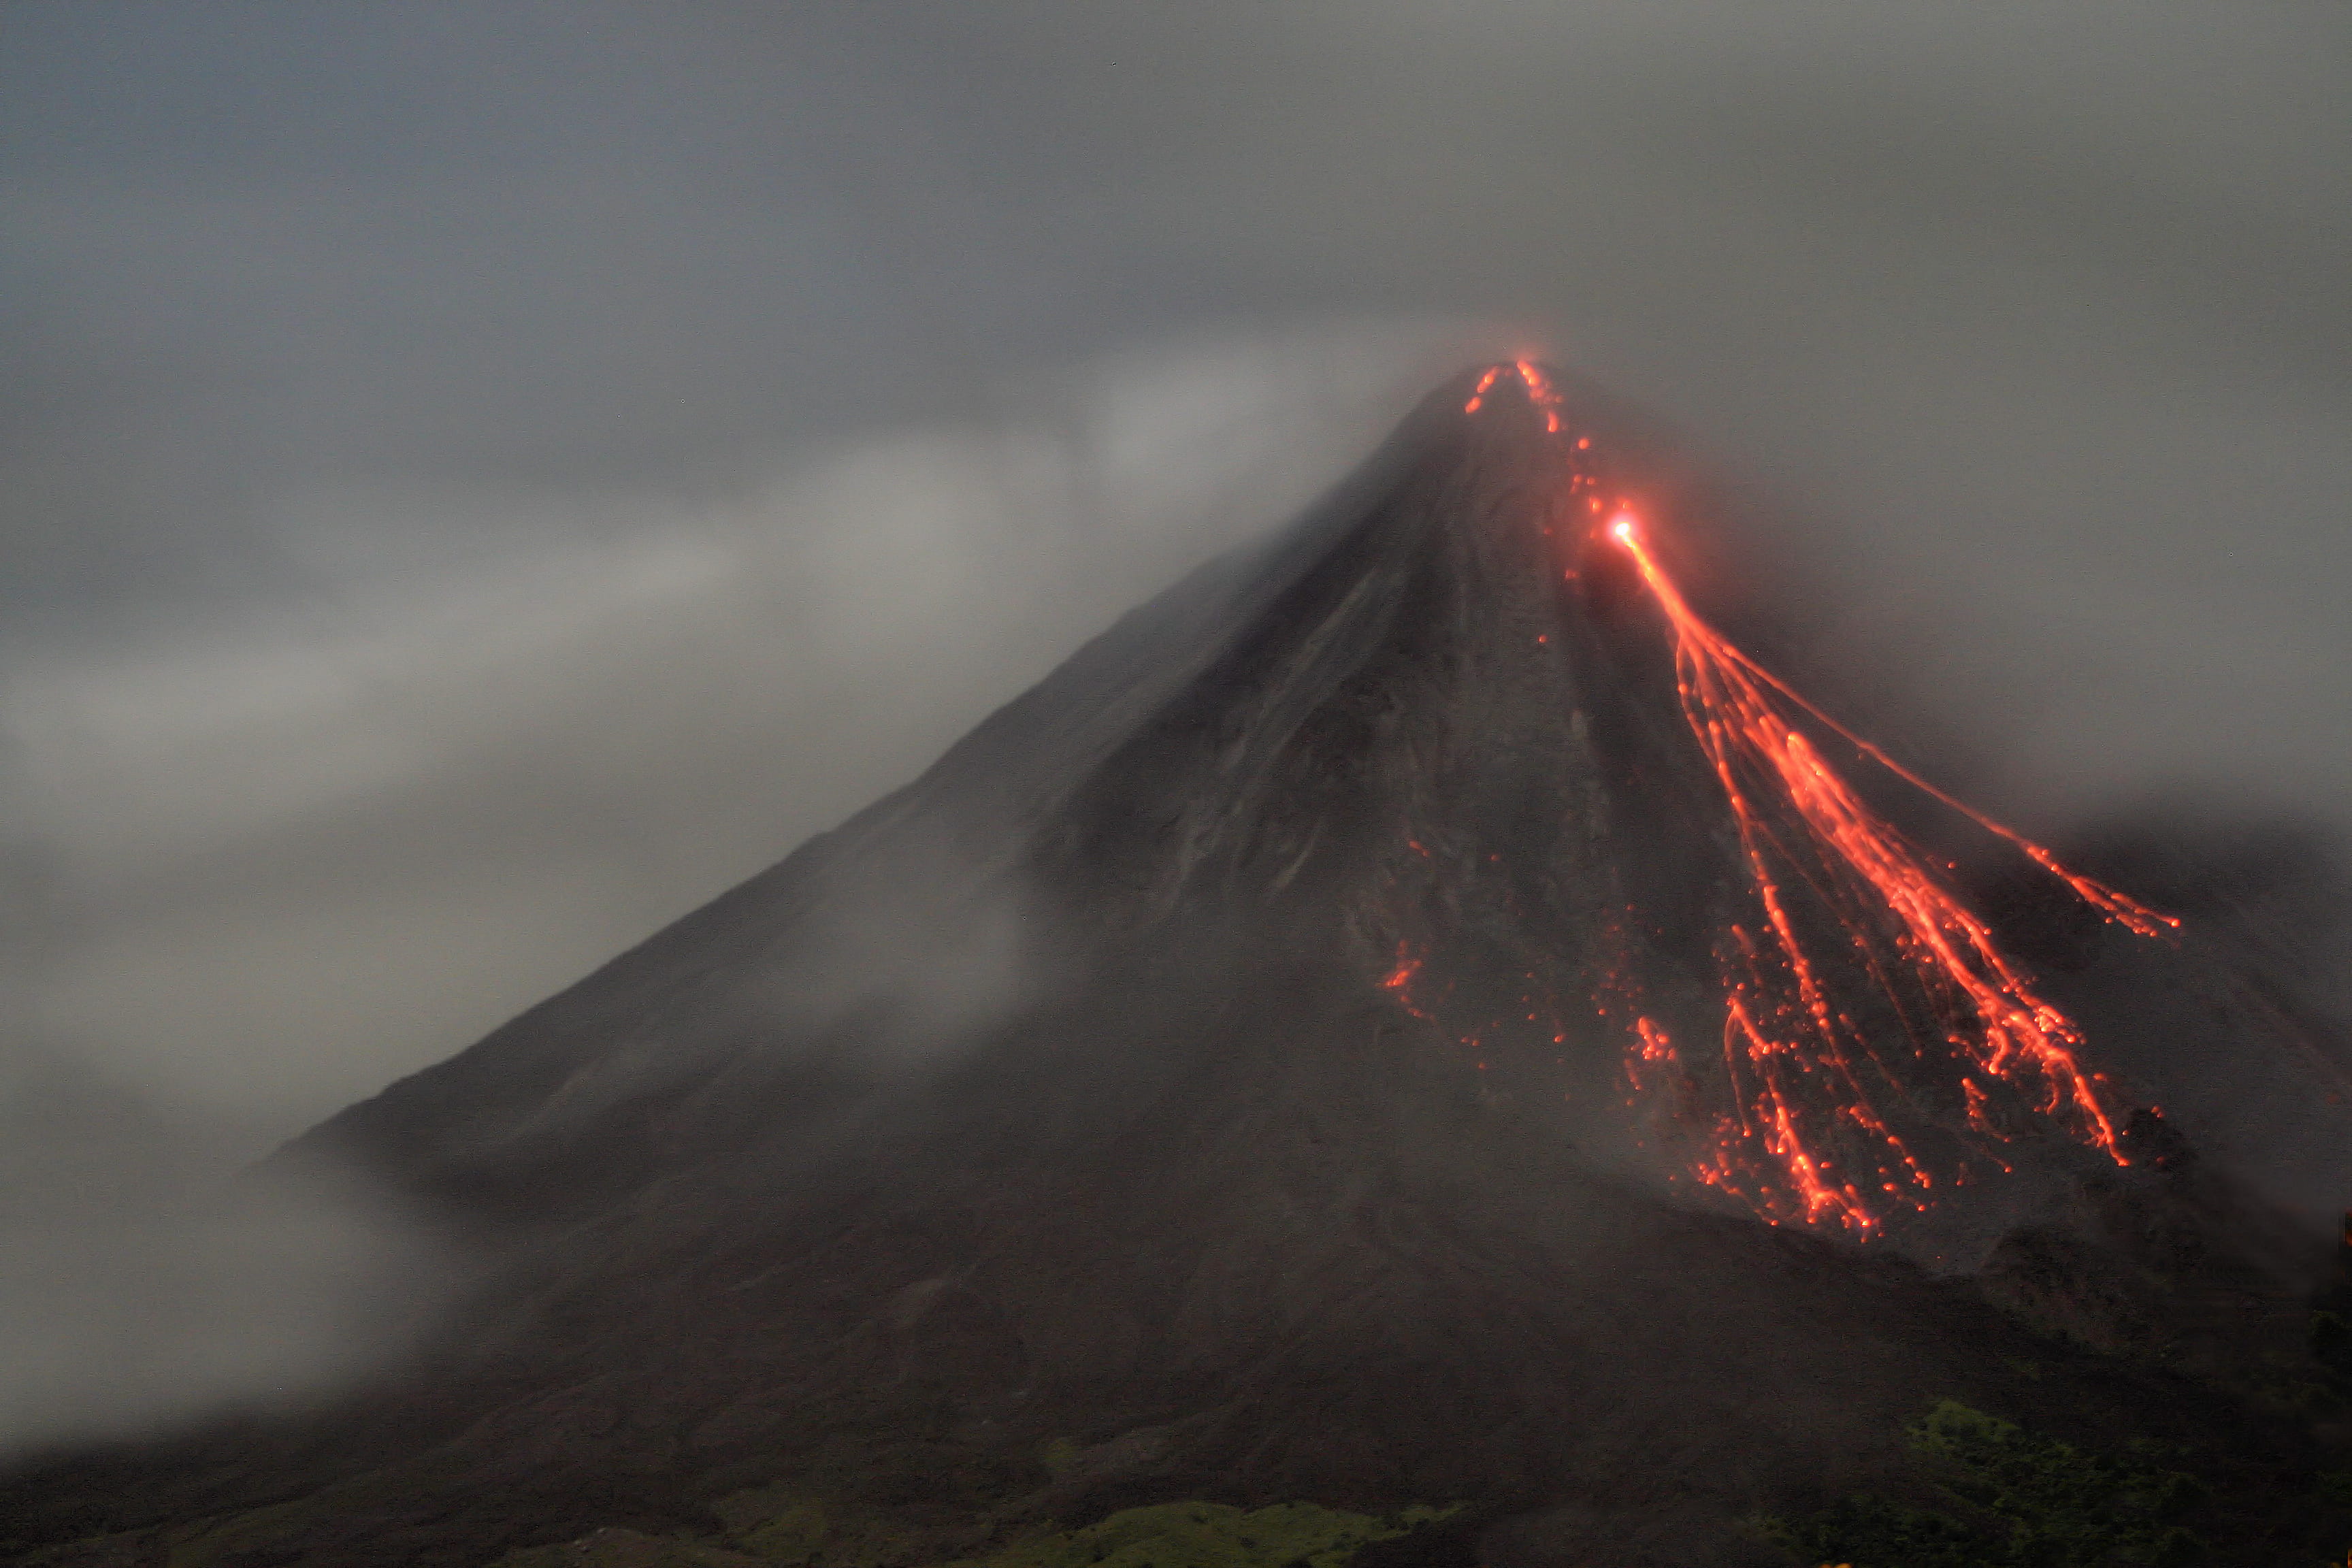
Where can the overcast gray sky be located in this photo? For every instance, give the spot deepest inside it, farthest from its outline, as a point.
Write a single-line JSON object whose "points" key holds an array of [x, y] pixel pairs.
{"points": [[480, 478]]}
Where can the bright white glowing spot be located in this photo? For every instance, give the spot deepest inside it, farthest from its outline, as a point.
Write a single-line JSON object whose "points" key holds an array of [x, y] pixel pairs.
{"points": [[1621, 528]]}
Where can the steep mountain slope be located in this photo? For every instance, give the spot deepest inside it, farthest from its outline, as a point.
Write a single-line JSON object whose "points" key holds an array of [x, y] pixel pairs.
{"points": [[1258, 1062]]}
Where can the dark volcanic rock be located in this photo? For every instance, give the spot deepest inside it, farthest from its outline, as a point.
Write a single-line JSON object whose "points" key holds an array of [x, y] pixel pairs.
{"points": [[1059, 1097]]}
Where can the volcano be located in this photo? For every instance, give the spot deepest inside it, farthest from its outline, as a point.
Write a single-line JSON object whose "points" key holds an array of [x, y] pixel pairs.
{"points": [[1415, 1014]]}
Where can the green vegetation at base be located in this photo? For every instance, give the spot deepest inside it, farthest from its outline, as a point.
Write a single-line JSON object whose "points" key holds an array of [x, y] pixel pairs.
{"points": [[1210, 1535], [772, 1526], [2024, 1501], [629, 1549]]}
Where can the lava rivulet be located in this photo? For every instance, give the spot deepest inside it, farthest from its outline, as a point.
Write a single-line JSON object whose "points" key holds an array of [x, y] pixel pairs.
{"points": [[1813, 1095], [1399, 980], [1541, 393], [1868, 1040]]}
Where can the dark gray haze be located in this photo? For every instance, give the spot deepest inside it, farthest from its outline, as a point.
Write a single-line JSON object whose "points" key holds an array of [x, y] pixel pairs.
{"points": [[481, 479]]}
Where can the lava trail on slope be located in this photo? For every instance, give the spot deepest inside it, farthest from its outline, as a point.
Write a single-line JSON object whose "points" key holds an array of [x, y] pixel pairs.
{"points": [[1339, 1035], [1870, 1041]]}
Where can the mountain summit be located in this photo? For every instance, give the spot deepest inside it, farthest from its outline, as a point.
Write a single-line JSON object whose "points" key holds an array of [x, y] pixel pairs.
{"points": [[1414, 1014]]}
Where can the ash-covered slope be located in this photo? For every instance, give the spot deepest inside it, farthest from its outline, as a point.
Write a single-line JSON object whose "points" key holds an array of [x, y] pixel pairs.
{"points": [[1223, 1064], [1249, 755]]}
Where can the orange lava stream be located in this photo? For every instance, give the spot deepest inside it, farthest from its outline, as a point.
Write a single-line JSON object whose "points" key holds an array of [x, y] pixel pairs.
{"points": [[1399, 980], [1804, 1121], [1541, 393], [2134, 916], [1806, 1082]]}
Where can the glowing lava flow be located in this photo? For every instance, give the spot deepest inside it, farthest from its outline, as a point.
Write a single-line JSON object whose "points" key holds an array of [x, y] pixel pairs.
{"points": [[1807, 1136], [1871, 1031], [1398, 981], [1539, 388]]}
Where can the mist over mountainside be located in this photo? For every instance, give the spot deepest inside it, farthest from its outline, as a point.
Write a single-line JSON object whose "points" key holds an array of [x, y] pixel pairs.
{"points": [[1356, 1033]]}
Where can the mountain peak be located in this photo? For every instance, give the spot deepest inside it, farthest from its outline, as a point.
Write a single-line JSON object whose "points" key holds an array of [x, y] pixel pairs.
{"points": [[1412, 1012], [1458, 741]]}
